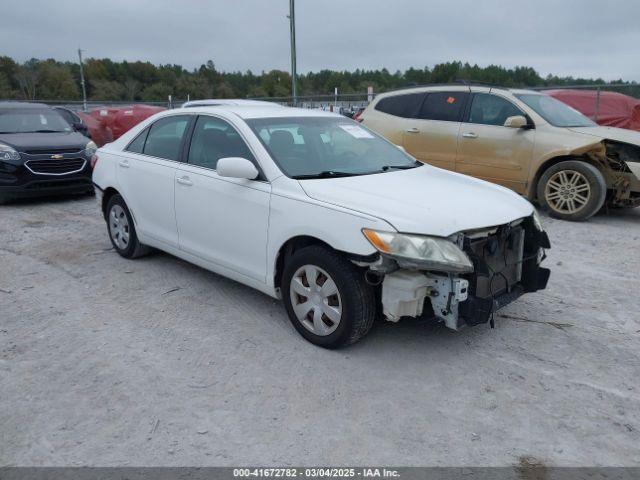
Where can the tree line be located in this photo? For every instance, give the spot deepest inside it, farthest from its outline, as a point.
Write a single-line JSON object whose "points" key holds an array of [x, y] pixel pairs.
{"points": [[107, 80]]}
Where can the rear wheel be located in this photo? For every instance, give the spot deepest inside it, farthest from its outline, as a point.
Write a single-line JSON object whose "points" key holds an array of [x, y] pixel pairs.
{"points": [[326, 297], [122, 231], [572, 190]]}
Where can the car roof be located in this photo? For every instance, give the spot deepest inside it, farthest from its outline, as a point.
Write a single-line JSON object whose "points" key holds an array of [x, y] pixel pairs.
{"points": [[225, 101], [260, 111], [455, 87], [16, 104]]}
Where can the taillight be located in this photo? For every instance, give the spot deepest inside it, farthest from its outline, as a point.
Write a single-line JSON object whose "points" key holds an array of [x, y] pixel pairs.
{"points": [[358, 118], [94, 161]]}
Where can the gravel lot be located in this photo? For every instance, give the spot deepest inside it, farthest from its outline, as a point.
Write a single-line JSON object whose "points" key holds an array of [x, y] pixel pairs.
{"points": [[105, 361]]}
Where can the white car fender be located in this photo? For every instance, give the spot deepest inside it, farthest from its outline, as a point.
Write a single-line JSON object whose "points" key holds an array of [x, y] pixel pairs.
{"points": [[294, 214]]}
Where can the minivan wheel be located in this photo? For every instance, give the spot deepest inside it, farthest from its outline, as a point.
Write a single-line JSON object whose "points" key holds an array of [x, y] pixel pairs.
{"points": [[122, 231], [326, 297], [572, 190]]}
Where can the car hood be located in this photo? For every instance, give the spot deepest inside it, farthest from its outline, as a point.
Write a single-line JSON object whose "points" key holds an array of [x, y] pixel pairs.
{"points": [[424, 200], [610, 133], [41, 141]]}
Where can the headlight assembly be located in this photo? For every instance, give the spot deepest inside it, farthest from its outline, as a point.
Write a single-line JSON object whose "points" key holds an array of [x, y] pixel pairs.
{"points": [[8, 154], [90, 149], [431, 252]]}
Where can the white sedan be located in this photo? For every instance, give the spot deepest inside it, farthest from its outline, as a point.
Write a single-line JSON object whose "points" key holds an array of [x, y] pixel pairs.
{"points": [[312, 208]]}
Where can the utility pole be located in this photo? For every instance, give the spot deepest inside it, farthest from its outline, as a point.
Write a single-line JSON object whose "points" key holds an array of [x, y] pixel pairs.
{"points": [[84, 90], [292, 27]]}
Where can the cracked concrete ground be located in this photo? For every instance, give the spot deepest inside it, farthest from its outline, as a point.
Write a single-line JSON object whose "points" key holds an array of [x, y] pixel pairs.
{"points": [[105, 361]]}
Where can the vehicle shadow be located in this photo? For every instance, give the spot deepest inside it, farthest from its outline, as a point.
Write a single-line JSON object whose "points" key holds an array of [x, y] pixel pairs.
{"points": [[48, 199]]}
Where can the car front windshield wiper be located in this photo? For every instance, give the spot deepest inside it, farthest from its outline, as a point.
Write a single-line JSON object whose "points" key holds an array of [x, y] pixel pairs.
{"points": [[326, 174], [46, 131], [400, 167]]}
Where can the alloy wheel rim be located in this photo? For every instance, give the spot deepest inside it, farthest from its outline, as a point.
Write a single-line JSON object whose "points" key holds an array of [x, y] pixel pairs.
{"points": [[567, 191], [119, 227], [316, 300]]}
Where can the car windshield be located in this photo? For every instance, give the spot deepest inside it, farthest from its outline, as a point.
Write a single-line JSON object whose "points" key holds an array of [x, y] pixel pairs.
{"points": [[554, 111], [317, 147], [30, 120]]}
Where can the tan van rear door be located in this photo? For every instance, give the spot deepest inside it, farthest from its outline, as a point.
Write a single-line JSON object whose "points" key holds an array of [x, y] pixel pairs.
{"points": [[433, 136]]}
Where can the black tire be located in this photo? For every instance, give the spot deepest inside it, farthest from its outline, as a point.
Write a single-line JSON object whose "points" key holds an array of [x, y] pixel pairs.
{"points": [[557, 202], [356, 296], [133, 247]]}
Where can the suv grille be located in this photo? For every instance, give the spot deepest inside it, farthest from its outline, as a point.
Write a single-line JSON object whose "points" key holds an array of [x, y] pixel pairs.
{"points": [[53, 151], [56, 167]]}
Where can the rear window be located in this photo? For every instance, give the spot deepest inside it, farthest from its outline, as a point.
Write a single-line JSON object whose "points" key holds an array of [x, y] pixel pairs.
{"points": [[405, 106], [446, 106]]}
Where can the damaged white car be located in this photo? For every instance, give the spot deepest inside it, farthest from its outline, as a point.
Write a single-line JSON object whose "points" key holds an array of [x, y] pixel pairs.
{"points": [[312, 208]]}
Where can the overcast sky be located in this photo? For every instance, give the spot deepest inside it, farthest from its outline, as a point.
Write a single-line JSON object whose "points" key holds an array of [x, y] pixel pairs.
{"points": [[569, 37]]}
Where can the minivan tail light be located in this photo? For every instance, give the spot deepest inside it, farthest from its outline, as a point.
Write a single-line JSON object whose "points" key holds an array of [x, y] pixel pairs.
{"points": [[94, 161]]}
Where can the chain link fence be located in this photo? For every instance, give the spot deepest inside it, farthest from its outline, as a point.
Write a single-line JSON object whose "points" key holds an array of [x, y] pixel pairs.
{"points": [[350, 102]]}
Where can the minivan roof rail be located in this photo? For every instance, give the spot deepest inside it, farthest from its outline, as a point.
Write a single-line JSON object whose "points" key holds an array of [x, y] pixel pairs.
{"points": [[455, 83]]}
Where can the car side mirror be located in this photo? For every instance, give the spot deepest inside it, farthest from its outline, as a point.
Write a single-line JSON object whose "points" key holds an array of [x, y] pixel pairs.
{"points": [[517, 121], [237, 167]]}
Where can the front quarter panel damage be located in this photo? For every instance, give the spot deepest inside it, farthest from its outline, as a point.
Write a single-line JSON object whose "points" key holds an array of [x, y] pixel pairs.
{"points": [[621, 167]]}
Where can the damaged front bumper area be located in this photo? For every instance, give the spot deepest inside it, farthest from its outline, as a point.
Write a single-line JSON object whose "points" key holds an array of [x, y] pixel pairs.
{"points": [[506, 264]]}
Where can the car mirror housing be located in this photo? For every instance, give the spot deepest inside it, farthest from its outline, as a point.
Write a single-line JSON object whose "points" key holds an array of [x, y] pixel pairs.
{"points": [[237, 167], [517, 121]]}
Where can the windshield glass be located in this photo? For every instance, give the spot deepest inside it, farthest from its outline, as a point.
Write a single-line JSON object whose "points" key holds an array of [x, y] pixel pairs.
{"points": [[554, 111], [307, 147], [28, 120]]}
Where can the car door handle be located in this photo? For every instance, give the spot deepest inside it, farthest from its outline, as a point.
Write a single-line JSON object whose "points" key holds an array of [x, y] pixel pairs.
{"points": [[412, 130], [184, 181], [124, 163], [470, 135]]}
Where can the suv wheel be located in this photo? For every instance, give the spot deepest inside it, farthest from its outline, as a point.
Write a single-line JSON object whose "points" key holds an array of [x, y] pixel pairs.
{"points": [[572, 190], [326, 297], [122, 231]]}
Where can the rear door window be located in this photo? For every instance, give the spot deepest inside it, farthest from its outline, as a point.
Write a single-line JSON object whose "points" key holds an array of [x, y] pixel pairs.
{"points": [[165, 137], [445, 106], [405, 106]]}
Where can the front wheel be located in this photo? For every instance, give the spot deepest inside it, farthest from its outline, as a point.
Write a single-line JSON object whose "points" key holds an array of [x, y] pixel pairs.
{"points": [[326, 297], [572, 190]]}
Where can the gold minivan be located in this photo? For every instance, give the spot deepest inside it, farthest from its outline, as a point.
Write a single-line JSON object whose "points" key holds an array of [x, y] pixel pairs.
{"points": [[521, 139]]}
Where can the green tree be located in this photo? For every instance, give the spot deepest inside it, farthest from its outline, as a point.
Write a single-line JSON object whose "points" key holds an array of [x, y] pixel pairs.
{"points": [[158, 92], [56, 82], [107, 90]]}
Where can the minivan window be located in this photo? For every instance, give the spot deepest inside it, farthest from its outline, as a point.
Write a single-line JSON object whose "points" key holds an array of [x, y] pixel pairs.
{"points": [[446, 106], [490, 109], [554, 111], [213, 139], [165, 137], [405, 106]]}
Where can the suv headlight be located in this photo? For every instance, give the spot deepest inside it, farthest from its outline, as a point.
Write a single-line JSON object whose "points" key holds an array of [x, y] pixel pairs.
{"points": [[8, 154], [90, 149], [432, 252]]}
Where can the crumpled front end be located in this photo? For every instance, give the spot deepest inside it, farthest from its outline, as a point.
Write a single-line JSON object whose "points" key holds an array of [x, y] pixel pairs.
{"points": [[506, 264], [622, 173]]}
